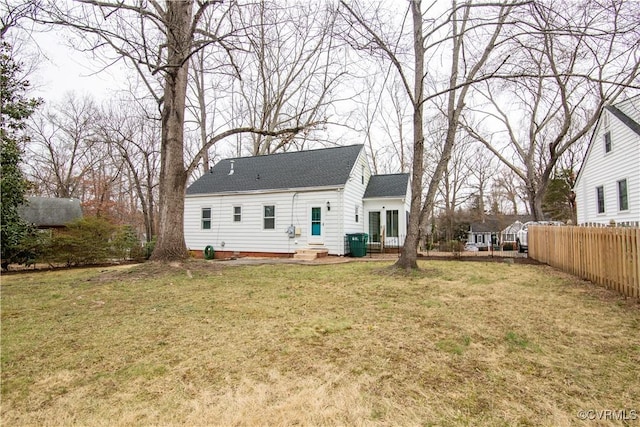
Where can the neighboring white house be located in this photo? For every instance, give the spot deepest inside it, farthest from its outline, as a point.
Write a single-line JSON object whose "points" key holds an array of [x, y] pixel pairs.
{"points": [[608, 184], [278, 203], [508, 235], [498, 227]]}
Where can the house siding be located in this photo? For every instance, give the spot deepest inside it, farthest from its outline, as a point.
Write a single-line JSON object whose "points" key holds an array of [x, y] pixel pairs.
{"points": [[606, 169], [248, 235], [293, 206], [353, 192], [384, 205]]}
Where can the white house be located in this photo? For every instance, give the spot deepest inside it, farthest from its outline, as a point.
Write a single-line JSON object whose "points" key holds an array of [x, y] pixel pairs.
{"points": [[502, 228], [608, 184], [273, 205]]}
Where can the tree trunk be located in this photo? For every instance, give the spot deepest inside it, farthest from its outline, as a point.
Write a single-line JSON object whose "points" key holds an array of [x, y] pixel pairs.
{"points": [[536, 197], [409, 255], [173, 179]]}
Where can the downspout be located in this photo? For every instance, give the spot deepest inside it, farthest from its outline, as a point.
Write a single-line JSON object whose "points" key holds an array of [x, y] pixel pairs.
{"points": [[292, 201], [293, 198], [341, 220]]}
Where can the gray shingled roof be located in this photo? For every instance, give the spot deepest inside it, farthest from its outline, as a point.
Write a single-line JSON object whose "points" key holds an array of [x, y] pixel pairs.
{"points": [[394, 185], [50, 211], [632, 124], [302, 169], [497, 223]]}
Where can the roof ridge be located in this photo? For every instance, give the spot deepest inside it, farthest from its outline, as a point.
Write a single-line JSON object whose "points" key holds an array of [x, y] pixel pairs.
{"points": [[325, 167], [293, 152]]}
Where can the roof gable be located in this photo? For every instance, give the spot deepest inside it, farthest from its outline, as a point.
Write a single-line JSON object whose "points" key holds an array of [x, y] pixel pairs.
{"points": [[50, 211], [628, 121], [615, 111], [302, 169], [393, 185]]}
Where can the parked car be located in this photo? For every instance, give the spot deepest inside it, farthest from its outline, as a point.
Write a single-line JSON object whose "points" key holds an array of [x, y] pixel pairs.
{"points": [[522, 237], [471, 247]]}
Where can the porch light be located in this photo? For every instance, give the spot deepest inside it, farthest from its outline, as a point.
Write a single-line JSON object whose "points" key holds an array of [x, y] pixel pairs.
{"points": [[328, 206]]}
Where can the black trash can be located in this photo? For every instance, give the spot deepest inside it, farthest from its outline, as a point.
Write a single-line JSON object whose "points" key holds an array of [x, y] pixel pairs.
{"points": [[358, 244]]}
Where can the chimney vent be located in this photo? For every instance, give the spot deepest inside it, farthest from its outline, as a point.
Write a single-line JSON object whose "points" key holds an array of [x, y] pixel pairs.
{"points": [[231, 170]]}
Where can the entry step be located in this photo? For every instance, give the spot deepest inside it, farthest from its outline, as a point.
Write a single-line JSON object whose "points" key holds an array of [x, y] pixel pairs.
{"points": [[310, 254]]}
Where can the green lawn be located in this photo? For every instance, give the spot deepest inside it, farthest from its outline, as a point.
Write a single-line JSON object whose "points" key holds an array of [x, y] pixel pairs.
{"points": [[345, 344]]}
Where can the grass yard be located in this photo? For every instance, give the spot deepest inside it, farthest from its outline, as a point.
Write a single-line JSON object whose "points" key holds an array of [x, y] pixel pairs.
{"points": [[346, 344]]}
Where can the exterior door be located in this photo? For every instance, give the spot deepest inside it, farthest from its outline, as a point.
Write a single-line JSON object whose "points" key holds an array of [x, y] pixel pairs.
{"points": [[316, 225], [374, 227]]}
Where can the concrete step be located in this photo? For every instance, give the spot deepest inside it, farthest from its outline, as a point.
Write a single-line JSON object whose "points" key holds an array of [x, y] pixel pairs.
{"points": [[305, 257], [310, 254]]}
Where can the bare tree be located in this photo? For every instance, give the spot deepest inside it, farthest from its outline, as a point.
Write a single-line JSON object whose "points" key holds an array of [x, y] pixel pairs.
{"points": [[61, 150], [482, 168], [15, 11], [455, 189], [510, 188], [289, 70], [368, 36], [457, 25], [573, 59], [159, 40], [133, 141]]}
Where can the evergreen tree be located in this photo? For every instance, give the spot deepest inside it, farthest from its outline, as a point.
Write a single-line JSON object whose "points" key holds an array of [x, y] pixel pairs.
{"points": [[559, 202], [15, 110]]}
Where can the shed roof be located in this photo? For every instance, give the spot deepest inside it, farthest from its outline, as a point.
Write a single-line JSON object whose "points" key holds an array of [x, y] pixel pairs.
{"points": [[302, 169], [392, 185], [50, 211]]}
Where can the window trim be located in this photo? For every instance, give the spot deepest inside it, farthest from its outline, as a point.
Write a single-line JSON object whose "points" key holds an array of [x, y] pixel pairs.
{"points": [[204, 219], [620, 195], [600, 201], [237, 216], [265, 217]]}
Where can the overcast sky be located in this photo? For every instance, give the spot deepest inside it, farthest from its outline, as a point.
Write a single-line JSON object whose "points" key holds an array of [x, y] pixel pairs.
{"points": [[62, 69]]}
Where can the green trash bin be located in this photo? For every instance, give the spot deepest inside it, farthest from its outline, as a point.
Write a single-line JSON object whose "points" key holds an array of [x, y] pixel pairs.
{"points": [[358, 244]]}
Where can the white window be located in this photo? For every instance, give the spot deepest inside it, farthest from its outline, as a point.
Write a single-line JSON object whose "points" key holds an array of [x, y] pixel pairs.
{"points": [[237, 213], [623, 199], [269, 222], [607, 142], [392, 223], [600, 198], [206, 219]]}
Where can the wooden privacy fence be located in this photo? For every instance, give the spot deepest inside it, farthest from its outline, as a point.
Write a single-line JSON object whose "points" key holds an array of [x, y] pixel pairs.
{"points": [[608, 256]]}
